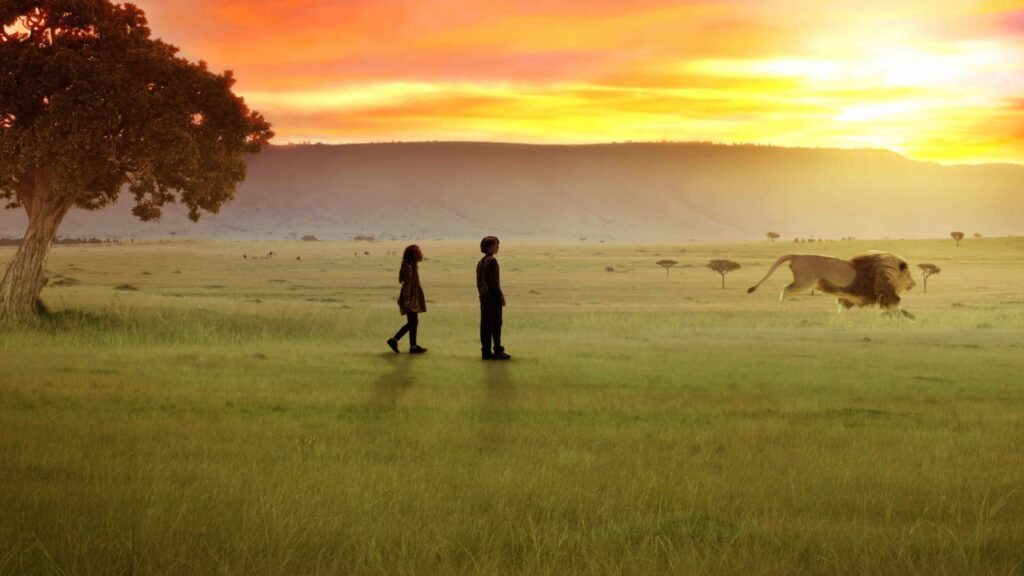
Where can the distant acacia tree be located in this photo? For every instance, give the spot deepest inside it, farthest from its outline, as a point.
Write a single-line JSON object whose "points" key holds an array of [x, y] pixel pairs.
{"points": [[958, 236], [977, 235], [90, 103], [773, 236], [723, 267], [666, 264], [928, 270]]}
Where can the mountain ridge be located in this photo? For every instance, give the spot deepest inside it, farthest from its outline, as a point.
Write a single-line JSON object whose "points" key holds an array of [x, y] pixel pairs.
{"points": [[620, 191]]}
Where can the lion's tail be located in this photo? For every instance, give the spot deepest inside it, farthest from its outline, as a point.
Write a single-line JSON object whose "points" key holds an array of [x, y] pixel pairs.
{"points": [[782, 260]]}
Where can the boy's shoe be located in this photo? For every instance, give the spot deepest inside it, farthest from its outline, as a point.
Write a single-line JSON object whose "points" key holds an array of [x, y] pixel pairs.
{"points": [[500, 356], [417, 350], [488, 356], [393, 344]]}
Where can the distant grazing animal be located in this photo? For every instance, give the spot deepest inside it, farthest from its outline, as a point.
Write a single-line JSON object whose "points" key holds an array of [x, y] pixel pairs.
{"points": [[868, 279]]}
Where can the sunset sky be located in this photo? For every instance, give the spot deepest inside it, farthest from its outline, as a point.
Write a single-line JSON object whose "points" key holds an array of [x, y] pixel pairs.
{"points": [[933, 79]]}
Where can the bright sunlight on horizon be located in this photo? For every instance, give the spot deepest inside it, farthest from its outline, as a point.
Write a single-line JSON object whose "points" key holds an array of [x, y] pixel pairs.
{"points": [[935, 80]]}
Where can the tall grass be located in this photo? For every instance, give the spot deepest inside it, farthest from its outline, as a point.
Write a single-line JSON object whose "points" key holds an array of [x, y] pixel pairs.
{"points": [[644, 426]]}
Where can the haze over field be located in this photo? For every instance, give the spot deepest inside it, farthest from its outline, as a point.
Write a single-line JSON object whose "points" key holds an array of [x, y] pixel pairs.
{"points": [[624, 192]]}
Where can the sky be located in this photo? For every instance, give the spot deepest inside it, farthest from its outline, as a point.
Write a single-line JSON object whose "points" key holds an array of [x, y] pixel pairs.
{"points": [[937, 80]]}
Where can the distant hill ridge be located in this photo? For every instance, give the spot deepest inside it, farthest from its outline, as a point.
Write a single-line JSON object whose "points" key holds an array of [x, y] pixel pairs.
{"points": [[616, 192]]}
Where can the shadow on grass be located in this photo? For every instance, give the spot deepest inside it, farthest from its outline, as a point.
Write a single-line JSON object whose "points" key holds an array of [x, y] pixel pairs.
{"points": [[393, 384], [497, 414], [499, 383]]}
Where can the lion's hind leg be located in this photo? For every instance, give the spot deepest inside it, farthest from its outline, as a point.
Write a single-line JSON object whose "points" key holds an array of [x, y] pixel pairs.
{"points": [[797, 286]]}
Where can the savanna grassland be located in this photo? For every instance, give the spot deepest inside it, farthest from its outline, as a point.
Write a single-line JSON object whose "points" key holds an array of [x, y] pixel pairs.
{"points": [[183, 410]]}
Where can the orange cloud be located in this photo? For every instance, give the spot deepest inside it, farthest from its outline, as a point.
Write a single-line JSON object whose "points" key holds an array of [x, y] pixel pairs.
{"points": [[929, 78]]}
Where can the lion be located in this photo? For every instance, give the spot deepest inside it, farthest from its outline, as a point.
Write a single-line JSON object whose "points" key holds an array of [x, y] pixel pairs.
{"points": [[868, 279]]}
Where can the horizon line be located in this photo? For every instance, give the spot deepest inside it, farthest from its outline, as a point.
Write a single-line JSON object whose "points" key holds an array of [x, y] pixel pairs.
{"points": [[712, 143]]}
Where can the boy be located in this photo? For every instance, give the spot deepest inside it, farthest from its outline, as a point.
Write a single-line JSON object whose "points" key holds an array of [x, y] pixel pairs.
{"points": [[491, 301]]}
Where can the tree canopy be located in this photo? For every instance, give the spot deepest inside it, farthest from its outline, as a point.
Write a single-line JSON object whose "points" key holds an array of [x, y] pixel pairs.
{"points": [[927, 270], [90, 103], [723, 267], [666, 264]]}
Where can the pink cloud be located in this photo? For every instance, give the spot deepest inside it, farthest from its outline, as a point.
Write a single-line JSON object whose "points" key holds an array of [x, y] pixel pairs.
{"points": [[1014, 22]]}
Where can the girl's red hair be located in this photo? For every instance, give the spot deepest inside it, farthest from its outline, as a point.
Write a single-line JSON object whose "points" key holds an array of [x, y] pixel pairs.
{"points": [[412, 254]]}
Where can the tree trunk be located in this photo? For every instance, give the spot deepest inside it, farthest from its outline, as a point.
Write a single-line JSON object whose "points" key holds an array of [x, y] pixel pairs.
{"points": [[26, 274], [925, 283], [723, 281]]}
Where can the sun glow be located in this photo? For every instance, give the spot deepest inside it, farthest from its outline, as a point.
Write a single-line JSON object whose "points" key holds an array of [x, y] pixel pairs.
{"points": [[938, 80]]}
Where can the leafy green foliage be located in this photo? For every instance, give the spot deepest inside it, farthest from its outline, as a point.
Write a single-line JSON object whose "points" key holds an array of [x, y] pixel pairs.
{"points": [[91, 103]]}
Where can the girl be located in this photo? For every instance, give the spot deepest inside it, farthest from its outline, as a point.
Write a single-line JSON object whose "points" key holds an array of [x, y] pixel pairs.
{"points": [[410, 300]]}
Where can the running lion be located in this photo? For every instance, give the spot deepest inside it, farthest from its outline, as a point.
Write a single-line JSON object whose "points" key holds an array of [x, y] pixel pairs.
{"points": [[868, 279]]}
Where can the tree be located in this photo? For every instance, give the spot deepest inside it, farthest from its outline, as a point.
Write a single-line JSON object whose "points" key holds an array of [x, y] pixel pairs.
{"points": [[926, 271], [958, 236], [977, 235], [90, 104], [666, 264], [773, 236], [723, 267]]}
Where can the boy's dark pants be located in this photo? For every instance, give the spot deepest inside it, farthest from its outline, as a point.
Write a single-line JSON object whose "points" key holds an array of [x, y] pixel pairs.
{"points": [[490, 325]]}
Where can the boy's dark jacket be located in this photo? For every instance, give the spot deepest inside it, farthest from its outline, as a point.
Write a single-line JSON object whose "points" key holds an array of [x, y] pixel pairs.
{"points": [[488, 282]]}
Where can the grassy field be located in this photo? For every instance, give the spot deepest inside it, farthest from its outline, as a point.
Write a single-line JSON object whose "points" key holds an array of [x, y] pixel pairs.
{"points": [[244, 416]]}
